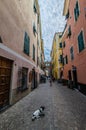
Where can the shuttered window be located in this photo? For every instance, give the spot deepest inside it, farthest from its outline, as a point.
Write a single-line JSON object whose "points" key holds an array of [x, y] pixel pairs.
{"points": [[33, 52], [71, 53], [34, 7], [81, 41], [26, 44], [34, 29], [66, 59], [60, 45], [69, 31], [61, 59], [76, 11]]}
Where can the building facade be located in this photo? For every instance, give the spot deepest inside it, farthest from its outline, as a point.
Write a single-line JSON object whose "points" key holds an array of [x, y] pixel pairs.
{"points": [[74, 43], [20, 31], [56, 56]]}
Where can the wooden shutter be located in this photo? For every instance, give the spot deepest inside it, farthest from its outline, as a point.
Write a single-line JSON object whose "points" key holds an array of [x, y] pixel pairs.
{"points": [[77, 9], [75, 14], [33, 52], [71, 53], [80, 41], [26, 44]]}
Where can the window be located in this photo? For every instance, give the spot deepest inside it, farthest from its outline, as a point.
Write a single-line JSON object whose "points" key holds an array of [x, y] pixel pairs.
{"points": [[33, 52], [34, 7], [64, 44], [65, 60], [34, 29], [22, 79], [60, 36], [81, 41], [67, 15], [61, 59], [37, 60], [76, 11], [26, 44], [71, 53], [60, 45], [69, 31]]}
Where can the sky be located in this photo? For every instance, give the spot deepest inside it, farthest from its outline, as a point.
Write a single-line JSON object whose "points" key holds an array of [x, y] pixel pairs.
{"points": [[52, 21]]}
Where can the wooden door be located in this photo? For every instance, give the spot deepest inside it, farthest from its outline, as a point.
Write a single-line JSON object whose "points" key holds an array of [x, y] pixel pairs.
{"points": [[5, 78]]}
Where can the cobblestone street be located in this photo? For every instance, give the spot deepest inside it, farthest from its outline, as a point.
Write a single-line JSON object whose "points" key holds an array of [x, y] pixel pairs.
{"points": [[65, 109]]}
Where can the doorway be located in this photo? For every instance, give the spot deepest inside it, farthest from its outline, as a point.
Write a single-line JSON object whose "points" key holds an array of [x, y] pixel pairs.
{"points": [[74, 74], [5, 80]]}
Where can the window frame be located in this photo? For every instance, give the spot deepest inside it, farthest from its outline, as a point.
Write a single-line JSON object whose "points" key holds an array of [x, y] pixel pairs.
{"points": [[72, 54], [60, 45], [76, 17], [33, 52], [34, 7], [26, 42], [79, 51]]}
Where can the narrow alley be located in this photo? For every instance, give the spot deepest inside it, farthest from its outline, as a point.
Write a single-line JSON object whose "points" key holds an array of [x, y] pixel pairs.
{"points": [[65, 109]]}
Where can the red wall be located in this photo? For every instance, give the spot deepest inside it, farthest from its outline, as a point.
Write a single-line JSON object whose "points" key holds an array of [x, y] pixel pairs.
{"points": [[79, 58]]}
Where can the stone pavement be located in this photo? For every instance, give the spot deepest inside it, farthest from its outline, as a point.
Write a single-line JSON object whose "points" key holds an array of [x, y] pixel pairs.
{"points": [[65, 110]]}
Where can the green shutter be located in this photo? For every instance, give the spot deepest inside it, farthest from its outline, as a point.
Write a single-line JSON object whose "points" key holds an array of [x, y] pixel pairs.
{"points": [[75, 14], [77, 9], [80, 41], [33, 52], [26, 44]]}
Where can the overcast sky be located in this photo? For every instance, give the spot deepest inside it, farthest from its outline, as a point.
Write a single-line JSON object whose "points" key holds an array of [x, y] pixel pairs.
{"points": [[52, 21]]}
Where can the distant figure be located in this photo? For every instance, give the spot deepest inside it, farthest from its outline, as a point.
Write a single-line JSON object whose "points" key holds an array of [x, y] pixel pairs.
{"points": [[50, 82]]}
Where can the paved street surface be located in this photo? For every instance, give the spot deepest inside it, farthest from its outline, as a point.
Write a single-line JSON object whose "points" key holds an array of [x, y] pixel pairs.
{"points": [[65, 110]]}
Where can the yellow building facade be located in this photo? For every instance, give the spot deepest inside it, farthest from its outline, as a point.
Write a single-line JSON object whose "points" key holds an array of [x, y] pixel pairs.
{"points": [[56, 56]]}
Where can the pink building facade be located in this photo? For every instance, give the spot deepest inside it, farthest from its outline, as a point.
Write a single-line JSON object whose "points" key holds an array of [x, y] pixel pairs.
{"points": [[74, 44], [19, 72]]}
